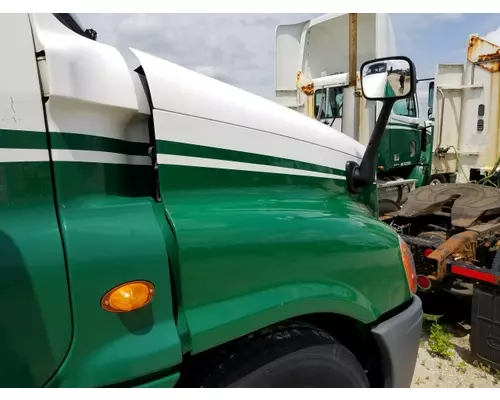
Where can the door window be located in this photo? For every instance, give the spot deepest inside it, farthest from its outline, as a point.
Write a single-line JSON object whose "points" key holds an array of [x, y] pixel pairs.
{"points": [[330, 105], [406, 107]]}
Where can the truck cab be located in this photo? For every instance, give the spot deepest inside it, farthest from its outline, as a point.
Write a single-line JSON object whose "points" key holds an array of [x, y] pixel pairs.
{"points": [[159, 228], [312, 67], [400, 149]]}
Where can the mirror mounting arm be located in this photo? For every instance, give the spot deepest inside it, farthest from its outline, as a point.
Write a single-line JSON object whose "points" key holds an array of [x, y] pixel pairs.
{"points": [[379, 82], [362, 175]]}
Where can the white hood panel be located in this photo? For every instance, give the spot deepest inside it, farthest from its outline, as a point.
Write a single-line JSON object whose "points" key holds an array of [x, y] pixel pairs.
{"points": [[178, 90]]}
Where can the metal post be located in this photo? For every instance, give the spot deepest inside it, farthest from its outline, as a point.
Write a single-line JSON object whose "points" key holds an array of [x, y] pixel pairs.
{"points": [[353, 47]]}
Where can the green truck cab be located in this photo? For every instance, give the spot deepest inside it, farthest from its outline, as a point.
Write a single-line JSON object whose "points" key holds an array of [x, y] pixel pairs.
{"points": [[159, 228]]}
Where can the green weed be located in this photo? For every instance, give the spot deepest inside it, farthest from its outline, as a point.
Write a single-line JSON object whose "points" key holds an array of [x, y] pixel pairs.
{"points": [[462, 367], [440, 341]]}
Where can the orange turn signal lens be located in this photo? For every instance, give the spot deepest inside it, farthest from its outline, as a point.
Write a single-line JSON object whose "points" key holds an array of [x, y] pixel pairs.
{"points": [[128, 296], [409, 265]]}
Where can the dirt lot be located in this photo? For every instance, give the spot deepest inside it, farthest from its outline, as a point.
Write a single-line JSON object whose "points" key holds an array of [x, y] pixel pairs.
{"points": [[456, 371], [394, 81]]}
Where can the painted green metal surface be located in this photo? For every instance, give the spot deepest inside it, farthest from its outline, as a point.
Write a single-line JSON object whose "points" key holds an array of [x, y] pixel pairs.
{"points": [[126, 244], [422, 171], [112, 235], [185, 149], [247, 249], [395, 151], [257, 248], [113, 232], [35, 328], [421, 174], [389, 91], [166, 382], [77, 141]]}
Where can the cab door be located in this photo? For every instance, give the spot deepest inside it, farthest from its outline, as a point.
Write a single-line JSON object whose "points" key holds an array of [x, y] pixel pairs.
{"points": [[35, 327], [403, 136], [113, 229]]}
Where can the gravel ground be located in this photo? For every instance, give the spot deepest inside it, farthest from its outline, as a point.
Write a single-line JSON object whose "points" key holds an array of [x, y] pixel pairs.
{"points": [[458, 371]]}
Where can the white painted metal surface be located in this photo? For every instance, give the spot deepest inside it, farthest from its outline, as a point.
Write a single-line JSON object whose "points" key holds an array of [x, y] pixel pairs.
{"points": [[90, 88], [205, 132], [221, 115], [319, 48], [321, 45], [461, 89], [20, 105]]}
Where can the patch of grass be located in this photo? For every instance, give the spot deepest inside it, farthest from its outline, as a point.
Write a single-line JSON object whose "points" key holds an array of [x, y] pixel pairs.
{"points": [[462, 367], [430, 317], [481, 366], [428, 320], [496, 377], [440, 341], [488, 370]]}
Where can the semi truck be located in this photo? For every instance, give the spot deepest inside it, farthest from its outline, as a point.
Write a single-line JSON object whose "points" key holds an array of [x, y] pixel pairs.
{"points": [[315, 74], [159, 228]]}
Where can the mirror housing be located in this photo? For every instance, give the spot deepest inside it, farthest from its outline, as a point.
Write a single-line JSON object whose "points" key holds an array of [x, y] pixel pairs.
{"points": [[393, 78], [388, 78]]}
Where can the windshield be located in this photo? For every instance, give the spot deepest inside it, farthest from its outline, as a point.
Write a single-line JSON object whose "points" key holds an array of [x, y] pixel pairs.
{"points": [[72, 22], [377, 68]]}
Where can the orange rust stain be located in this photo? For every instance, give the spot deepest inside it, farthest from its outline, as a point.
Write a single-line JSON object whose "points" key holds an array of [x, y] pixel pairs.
{"points": [[492, 61], [308, 89], [473, 42], [461, 246], [310, 107], [489, 57], [489, 61], [494, 121], [495, 130]]}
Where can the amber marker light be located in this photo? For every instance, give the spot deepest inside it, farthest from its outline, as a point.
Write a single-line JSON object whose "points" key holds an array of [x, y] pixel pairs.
{"points": [[128, 297], [409, 265]]}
